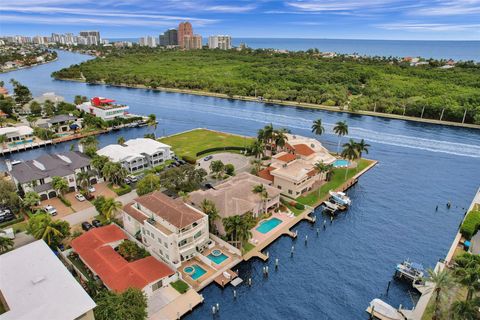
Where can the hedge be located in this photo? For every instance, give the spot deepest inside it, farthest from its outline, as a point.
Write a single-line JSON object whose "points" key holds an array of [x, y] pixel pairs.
{"points": [[14, 221], [122, 190], [65, 201], [227, 148], [189, 159], [299, 206], [471, 224]]}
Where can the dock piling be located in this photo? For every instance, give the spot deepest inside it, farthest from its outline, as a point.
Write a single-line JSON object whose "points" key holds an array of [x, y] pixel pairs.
{"points": [[318, 231], [324, 224], [234, 294], [306, 239], [250, 282], [218, 306], [276, 263], [291, 251]]}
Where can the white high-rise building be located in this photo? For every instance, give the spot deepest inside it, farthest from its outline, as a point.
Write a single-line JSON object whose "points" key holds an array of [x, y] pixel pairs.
{"points": [[148, 41], [222, 42]]}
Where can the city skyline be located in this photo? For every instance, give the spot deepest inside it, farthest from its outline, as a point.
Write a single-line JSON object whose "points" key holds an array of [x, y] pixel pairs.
{"points": [[378, 19]]}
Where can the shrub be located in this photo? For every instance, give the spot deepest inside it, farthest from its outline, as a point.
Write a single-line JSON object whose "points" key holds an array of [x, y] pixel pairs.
{"points": [[299, 206], [65, 201], [229, 169], [189, 159], [471, 224], [98, 203], [180, 286], [120, 191]]}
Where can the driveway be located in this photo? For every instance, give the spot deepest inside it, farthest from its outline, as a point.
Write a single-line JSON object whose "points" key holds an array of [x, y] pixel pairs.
{"points": [[239, 161], [102, 189], [77, 205], [62, 210]]}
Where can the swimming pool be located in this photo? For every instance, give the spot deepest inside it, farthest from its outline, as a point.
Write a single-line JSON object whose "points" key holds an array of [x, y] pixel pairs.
{"points": [[217, 256], [16, 143], [267, 226], [341, 163], [194, 271]]}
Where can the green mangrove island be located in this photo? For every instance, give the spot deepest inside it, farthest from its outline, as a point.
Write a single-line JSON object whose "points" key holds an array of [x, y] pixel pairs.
{"points": [[378, 84]]}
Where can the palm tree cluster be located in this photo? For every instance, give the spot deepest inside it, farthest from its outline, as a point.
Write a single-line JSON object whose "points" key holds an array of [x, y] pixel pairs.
{"points": [[261, 190], [238, 228], [269, 138], [465, 275], [353, 150]]}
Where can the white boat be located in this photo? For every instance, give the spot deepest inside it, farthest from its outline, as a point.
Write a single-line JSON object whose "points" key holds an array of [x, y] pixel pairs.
{"points": [[410, 270], [379, 309], [340, 197], [330, 206]]}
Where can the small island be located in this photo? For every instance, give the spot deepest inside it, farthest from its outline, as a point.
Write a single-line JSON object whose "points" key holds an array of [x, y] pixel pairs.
{"points": [[432, 90]]}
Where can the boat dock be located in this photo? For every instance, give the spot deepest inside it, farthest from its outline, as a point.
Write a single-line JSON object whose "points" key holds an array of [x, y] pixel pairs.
{"points": [[225, 278]]}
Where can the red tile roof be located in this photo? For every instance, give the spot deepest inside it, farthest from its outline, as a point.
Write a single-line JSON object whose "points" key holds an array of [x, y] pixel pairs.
{"points": [[287, 157], [303, 149], [117, 273], [265, 174], [135, 214], [175, 212]]}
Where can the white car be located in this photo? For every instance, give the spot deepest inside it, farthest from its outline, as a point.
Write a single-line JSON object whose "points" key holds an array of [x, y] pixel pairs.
{"points": [[91, 189], [50, 210], [80, 197], [132, 178]]}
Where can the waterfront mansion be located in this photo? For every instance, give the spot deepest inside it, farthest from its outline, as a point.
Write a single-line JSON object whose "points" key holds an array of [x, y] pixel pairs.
{"points": [[235, 196], [104, 108], [137, 154], [36, 175], [170, 229], [292, 171]]}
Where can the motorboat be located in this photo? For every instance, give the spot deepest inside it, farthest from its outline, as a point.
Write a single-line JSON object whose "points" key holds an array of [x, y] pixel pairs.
{"points": [[410, 270], [340, 197]]}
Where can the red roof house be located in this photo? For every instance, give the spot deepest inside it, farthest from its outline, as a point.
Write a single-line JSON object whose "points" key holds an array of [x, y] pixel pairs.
{"points": [[303, 149], [96, 249]]}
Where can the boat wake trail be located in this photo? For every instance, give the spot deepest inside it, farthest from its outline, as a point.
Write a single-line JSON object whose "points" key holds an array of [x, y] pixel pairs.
{"points": [[288, 121]]}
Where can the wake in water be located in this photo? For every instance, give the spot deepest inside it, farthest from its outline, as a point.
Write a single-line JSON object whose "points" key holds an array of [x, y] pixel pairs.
{"points": [[461, 149]]}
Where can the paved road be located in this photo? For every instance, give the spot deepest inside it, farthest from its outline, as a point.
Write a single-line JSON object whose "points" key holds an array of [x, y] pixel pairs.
{"points": [[22, 239]]}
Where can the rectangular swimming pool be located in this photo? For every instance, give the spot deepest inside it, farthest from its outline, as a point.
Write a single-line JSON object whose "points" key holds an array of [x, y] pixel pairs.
{"points": [[341, 163], [218, 259], [268, 225]]}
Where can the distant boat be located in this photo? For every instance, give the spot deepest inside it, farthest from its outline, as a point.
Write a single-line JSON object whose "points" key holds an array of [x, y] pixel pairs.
{"points": [[330, 206], [410, 270], [340, 197]]}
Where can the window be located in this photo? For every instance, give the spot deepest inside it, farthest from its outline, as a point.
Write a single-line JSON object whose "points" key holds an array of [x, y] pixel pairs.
{"points": [[157, 285], [159, 240], [166, 256], [198, 234], [182, 243], [290, 191], [129, 218], [165, 244], [160, 251]]}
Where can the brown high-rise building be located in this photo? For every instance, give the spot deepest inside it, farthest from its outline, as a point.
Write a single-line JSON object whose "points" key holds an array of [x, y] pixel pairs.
{"points": [[184, 29]]}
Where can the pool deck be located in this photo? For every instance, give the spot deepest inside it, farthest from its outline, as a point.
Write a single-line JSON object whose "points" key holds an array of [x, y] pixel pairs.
{"points": [[284, 228]]}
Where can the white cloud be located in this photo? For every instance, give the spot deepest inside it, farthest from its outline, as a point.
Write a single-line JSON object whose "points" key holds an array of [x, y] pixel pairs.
{"points": [[337, 5], [450, 8], [437, 27]]}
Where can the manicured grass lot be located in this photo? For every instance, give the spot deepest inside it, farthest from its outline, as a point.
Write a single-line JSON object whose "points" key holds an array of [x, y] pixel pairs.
{"points": [[337, 180], [180, 286], [247, 247], [189, 143]]}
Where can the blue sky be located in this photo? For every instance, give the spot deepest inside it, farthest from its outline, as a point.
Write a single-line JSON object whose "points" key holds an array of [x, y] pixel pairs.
{"points": [[349, 19]]}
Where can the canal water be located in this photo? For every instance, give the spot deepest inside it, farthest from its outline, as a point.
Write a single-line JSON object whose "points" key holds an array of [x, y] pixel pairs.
{"points": [[337, 273]]}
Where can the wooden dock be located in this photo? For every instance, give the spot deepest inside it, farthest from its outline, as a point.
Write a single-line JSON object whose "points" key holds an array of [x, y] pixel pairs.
{"points": [[222, 281]]}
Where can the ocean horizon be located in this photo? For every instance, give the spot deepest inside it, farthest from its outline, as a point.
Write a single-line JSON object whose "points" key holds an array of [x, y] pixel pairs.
{"points": [[437, 49]]}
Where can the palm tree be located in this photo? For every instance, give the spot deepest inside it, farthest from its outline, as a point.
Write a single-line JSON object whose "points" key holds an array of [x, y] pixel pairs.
{"points": [[442, 281], [98, 162], [30, 199], [466, 310], [121, 140], [362, 146], [110, 207], [41, 226], [89, 141], [280, 138], [317, 127], [60, 185], [467, 273], [232, 225], [6, 244], [350, 152], [257, 148], [152, 122], [209, 208], [261, 190], [83, 179], [256, 165], [340, 129]]}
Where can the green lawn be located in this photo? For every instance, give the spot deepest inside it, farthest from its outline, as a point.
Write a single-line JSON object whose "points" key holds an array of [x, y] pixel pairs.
{"points": [[180, 286], [247, 247], [338, 178], [189, 143], [19, 227], [295, 211]]}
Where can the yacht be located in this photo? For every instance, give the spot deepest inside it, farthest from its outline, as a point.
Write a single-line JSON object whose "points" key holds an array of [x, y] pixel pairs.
{"points": [[340, 197]]}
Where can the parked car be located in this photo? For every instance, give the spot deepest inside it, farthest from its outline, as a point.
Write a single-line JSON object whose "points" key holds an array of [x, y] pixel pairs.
{"points": [[91, 189], [6, 215], [86, 226], [132, 178], [50, 210], [96, 223], [127, 181], [80, 197], [182, 162], [208, 158], [208, 186]]}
